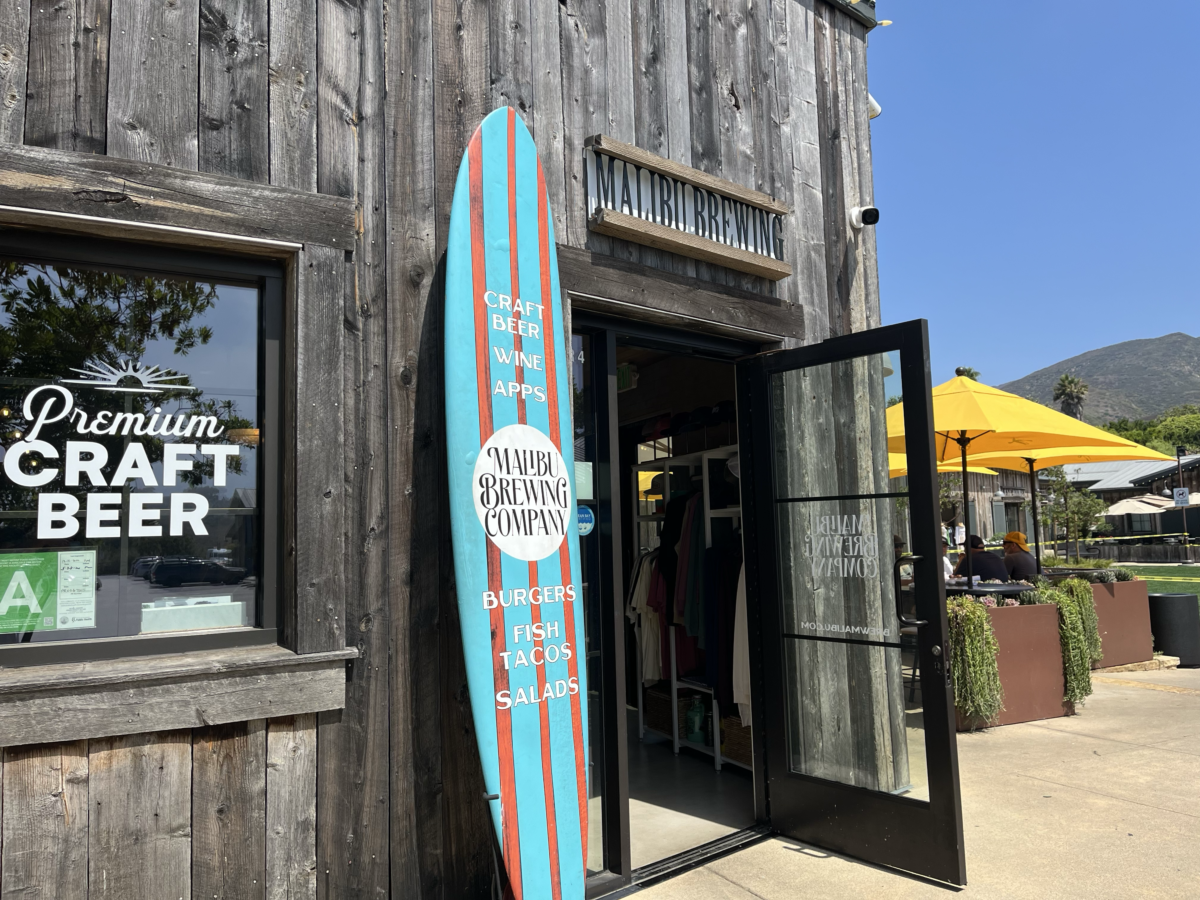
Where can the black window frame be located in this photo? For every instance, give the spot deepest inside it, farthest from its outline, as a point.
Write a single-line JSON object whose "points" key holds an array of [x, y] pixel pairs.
{"points": [[269, 277]]}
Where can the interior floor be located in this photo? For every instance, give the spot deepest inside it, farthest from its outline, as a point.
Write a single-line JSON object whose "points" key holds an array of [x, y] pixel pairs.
{"points": [[679, 802]]}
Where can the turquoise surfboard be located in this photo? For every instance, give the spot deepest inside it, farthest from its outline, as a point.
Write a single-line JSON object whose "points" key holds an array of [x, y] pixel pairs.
{"points": [[513, 511]]}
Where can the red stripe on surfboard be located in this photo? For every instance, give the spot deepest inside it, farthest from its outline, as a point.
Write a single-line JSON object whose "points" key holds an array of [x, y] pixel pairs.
{"points": [[535, 613], [564, 553], [510, 839]]}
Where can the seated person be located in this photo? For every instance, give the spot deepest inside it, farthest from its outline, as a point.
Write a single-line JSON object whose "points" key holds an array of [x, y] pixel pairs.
{"points": [[985, 566], [899, 549], [947, 566], [1018, 561]]}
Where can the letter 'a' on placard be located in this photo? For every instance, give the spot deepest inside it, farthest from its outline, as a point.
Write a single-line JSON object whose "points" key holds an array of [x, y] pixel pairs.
{"points": [[513, 510]]}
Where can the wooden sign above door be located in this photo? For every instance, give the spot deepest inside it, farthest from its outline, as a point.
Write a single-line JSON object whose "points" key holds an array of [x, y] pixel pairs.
{"points": [[637, 196]]}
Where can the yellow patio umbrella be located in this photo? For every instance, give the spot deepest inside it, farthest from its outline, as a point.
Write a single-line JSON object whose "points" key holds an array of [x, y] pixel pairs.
{"points": [[973, 418], [1036, 460], [898, 466], [969, 417]]}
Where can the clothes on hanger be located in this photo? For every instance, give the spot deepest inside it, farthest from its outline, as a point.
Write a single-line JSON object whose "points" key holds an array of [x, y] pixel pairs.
{"points": [[741, 651], [644, 618]]}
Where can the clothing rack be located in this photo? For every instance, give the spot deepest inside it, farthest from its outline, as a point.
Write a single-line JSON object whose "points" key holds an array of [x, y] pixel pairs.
{"points": [[665, 464]]}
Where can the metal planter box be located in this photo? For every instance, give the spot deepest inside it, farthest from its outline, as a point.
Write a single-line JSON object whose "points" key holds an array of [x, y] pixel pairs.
{"points": [[1123, 614], [1030, 664]]}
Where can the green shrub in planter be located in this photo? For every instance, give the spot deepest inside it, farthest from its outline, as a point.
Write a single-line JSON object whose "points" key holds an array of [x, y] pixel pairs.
{"points": [[1078, 634], [1124, 575], [1104, 576], [971, 651], [1081, 592]]}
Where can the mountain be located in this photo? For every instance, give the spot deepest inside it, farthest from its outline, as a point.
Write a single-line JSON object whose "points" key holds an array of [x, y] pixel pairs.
{"points": [[1133, 379]]}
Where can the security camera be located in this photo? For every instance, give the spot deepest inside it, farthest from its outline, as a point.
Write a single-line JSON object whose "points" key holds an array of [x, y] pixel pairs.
{"points": [[863, 215]]}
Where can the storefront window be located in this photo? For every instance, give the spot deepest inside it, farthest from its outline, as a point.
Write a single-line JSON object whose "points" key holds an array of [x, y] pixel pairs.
{"points": [[131, 410]]}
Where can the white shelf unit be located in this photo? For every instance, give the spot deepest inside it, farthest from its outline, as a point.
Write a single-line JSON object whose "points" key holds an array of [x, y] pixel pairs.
{"points": [[664, 465]]}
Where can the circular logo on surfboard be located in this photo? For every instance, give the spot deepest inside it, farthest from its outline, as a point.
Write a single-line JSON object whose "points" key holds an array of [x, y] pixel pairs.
{"points": [[521, 492]]}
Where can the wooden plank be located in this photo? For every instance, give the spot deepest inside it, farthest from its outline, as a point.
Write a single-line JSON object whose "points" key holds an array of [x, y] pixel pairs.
{"points": [[546, 123], [39, 178], [665, 237], [455, 860], [291, 832], [633, 291], [50, 88], [45, 844], [802, 144], [163, 669], [685, 173], [845, 170], [703, 92], [234, 113], [353, 831], [55, 713], [67, 92], [619, 101], [153, 81], [337, 95], [320, 442], [861, 135], [619, 28], [678, 106], [585, 108], [293, 93], [229, 810], [414, 373], [651, 89], [511, 50], [139, 824], [14, 58]]}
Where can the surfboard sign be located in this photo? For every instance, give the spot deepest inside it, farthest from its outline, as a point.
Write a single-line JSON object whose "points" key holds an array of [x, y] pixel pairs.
{"points": [[513, 511]]}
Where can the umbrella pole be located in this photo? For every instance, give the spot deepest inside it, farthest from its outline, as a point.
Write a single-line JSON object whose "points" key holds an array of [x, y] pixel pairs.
{"points": [[1037, 539], [962, 443]]}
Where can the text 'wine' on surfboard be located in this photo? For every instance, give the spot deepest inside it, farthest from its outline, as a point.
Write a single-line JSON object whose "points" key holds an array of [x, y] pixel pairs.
{"points": [[516, 547]]}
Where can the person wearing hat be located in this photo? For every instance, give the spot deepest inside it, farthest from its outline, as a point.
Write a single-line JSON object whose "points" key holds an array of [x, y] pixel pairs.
{"points": [[1018, 561], [899, 549], [985, 565], [947, 566]]}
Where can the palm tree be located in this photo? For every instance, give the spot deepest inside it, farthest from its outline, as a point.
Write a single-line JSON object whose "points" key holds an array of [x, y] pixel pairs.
{"points": [[1070, 391], [967, 372]]}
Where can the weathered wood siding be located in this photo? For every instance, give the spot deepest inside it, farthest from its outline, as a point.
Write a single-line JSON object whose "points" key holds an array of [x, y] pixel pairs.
{"points": [[225, 812], [362, 103]]}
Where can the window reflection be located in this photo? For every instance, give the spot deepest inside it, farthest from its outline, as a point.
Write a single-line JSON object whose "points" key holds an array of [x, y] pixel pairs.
{"points": [[130, 427]]}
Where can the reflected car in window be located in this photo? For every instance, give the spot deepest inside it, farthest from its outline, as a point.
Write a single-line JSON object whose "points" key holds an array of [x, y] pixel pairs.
{"points": [[176, 572], [142, 565]]}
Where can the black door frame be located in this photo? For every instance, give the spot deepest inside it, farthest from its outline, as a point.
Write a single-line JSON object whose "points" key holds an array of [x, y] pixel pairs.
{"points": [[903, 833], [605, 331]]}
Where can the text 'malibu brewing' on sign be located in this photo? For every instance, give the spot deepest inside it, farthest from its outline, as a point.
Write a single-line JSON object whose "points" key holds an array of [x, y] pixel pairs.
{"points": [[637, 196], [513, 510]]}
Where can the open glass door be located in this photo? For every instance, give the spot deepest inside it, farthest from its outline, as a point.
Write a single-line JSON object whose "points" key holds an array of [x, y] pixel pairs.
{"points": [[844, 584]]}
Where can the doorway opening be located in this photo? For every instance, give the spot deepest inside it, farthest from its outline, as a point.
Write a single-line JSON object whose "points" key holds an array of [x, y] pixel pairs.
{"points": [[686, 646], [672, 776]]}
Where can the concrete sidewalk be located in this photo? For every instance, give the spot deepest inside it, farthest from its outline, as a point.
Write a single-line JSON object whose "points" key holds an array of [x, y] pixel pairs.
{"points": [[1102, 805]]}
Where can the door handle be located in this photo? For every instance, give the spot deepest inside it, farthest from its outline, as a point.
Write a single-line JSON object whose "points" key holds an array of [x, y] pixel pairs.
{"points": [[904, 620]]}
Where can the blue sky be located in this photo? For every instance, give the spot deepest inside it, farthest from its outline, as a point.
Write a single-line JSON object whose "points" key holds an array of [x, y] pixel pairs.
{"points": [[1036, 173]]}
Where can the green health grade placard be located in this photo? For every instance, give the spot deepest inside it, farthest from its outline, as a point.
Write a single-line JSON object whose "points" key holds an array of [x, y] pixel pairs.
{"points": [[47, 591]]}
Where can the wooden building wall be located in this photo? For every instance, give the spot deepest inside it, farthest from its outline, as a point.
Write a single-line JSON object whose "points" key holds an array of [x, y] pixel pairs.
{"points": [[374, 102]]}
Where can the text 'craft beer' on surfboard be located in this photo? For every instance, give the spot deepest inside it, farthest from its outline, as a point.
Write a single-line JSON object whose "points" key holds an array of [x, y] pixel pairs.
{"points": [[513, 514]]}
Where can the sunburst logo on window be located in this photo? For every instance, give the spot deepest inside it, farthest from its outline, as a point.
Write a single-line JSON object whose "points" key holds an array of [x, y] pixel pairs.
{"points": [[130, 378]]}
